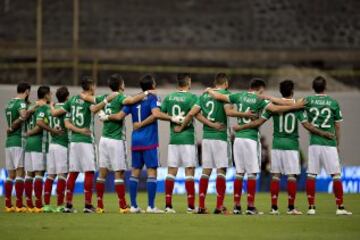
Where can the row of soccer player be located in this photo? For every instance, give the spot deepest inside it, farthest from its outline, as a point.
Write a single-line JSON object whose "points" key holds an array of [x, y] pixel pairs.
{"points": [[71, 150]]}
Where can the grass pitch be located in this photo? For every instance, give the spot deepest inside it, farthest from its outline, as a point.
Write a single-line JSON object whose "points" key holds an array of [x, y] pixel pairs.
{"points": [[112, 225]]}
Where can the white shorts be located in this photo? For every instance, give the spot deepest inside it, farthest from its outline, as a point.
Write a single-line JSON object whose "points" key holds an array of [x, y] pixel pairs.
{"points": [[182, 155], [323, 156], [112, 154], [82, 157], [215, 154], [35, 161], [247, 155], [285, 162], [57, 159], [14, 158]]}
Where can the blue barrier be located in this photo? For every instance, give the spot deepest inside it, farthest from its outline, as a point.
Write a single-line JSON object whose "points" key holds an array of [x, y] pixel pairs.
{"points": [[350, 178]]}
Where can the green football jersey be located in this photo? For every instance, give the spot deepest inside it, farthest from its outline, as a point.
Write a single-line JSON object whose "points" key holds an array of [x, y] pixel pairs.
{"points": [[12, 112], [113, 129], [179, 104], [214, 111], [58, 122], [38, 142], [323, 111], [81, 117], [286, 134], [248, 101]]}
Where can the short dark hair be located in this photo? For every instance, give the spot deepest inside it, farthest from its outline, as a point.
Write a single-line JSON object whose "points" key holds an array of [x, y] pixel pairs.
{"points": [[62, 94], [115, 81], [22, 87], [183, 79], [86, 82], [221, 78], [257, 83], [42, 91], [287, 88], [319, 84], [147, 82]]}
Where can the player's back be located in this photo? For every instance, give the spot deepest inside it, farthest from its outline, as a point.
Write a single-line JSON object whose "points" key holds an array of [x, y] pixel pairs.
{"points": [[113, 129], [285, 125], [214, 111], [180, 103], [323, 111], [58, 123], [146, 137], [81, 117], [12, 113], [247, 101], [32, 142]]}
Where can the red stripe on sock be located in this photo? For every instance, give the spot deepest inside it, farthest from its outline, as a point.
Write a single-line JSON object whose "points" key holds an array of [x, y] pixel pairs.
{"points": [[47, 190], [120, 190], [8, 190], [190, 189], [19, 188], [238, 185], [38, 190], [70, 185], [310, 190], [204, 181], [28, 192], [291, 187], [251, 191], [169, 187], [100, 189], [88, 187], [220, 189], [60, 191], [338, 191], [274, 191]]}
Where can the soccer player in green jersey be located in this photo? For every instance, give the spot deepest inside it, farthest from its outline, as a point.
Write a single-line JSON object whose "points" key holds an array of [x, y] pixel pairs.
{"points": [[246, 145], [16, 113], [37, 147], [81, 149], [57, 158], [285, 148], [181, 149], [324, 112], [215, 146], [112, 145]]}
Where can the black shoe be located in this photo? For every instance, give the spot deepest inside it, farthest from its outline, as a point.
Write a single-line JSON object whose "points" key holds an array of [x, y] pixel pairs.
{"points": [[89, 209], [223, 210], [202, 211], [69, 208], [253, 211], [237, 210]]}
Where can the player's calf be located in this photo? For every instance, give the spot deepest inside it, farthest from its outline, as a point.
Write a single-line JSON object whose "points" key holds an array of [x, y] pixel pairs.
{"points": [[274, 193], [310, 192], [169, 188]]}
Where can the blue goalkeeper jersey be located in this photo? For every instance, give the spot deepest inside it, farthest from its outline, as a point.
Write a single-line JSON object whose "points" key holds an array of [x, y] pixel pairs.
{"points": [[146, 137]]}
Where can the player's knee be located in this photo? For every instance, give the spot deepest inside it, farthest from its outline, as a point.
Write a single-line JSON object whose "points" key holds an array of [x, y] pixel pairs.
{"points": [[275, 177], [170, 177], [100, 180], [252, 176], [221, 175], [12, 174], [336, 177], [239, 176], [311, 176], [291, 177]]}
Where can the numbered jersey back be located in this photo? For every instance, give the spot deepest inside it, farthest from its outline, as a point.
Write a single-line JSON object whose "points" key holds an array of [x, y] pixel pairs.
{"points": [[80, 116], [58, 123], [323, 111], [214, 111]]}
